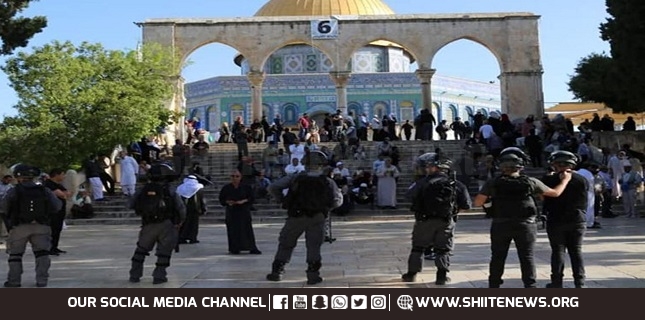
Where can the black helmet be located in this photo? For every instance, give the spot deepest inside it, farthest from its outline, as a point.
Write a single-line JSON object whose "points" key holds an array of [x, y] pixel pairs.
{"points": [[25, 171], [432, 159], [562, 156], [514, 156], [162, 171]]}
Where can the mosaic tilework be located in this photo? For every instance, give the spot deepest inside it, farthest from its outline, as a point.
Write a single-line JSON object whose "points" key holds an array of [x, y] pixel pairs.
{"points": [[293, 64], [311, 63], [277, 66]]}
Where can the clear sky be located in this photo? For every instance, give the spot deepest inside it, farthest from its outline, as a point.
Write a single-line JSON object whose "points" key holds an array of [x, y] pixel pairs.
{"points": [[568, 32]]}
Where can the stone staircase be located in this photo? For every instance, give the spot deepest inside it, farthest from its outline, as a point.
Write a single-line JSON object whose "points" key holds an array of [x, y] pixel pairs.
{"points": [[222, 160]]}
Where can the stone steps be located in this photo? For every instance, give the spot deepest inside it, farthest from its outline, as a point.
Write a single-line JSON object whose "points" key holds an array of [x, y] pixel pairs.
{"points": [[222, 158]]}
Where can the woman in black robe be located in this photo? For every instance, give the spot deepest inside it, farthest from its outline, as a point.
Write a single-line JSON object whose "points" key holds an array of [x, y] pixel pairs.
{"points": [[237, 199]]}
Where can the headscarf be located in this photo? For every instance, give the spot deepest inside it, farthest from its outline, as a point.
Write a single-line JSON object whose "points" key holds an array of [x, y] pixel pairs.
{"points": [[190, 187]]}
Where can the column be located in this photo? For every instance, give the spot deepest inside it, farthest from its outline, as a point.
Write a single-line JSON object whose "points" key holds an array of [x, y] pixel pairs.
{"points": [[425, 78], [256, 78], [178, 106], [522, 94], [341, 78]]}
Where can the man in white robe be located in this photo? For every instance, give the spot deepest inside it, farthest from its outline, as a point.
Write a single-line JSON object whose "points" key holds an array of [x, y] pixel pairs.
{"points": [[129, 169], [386, 190]]}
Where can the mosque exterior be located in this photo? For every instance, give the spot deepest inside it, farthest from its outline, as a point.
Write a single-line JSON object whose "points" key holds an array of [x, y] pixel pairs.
{"points": [[298, 79]]}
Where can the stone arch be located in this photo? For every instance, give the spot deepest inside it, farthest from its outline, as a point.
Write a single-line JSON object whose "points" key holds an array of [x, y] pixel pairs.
{"points": [[491, 48], [190, 49]]}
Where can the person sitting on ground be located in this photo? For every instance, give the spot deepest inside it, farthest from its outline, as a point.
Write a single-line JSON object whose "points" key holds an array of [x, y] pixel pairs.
{"points": [[359, 151], [294, 167]]}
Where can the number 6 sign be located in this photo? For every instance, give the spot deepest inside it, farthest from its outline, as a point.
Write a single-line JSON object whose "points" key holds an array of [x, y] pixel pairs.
{"points": [[324, 29]]}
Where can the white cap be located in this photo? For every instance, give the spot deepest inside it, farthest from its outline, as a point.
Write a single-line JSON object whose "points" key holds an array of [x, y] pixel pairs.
{"points": [[339, 163], [363, 185]]}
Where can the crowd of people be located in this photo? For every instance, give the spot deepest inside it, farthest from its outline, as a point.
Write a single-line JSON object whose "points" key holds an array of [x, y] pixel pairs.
{"points": [[500, 149]]}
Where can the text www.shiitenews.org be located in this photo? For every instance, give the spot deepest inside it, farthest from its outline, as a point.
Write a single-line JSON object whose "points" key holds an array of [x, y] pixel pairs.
{"points": [[497, 302]]}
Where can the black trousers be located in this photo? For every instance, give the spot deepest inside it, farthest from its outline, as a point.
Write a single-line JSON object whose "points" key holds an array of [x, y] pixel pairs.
{"points": [[566, 236], [607, 202], [435, 233], [57, 227], [107, 181], [524, 234]]}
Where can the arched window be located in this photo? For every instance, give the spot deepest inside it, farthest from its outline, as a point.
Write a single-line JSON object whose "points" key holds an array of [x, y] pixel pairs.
{"points": [[266, 110], [436, 111], [354, 107], [237, 110], [290, 113], [484, 112], [380, 109], [407, 110], [212, 118], [451, 113]]}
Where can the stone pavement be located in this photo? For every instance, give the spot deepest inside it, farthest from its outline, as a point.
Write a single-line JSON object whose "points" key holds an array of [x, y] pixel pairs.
{"points": [[367, 254]]}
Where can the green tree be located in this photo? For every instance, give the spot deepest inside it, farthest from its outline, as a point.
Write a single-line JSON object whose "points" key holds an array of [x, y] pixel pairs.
{"points": [[78, 100], [625, 32], [593, 79], [15, 32]]}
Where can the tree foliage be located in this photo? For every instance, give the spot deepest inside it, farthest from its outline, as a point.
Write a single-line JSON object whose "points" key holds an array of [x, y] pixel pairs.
{"points": [[78, 100], [619, 80], [593, 79], [15, 32]]}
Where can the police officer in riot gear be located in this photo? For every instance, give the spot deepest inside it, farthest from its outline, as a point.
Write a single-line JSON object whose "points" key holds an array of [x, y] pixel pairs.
{"points": [[311, 223], [514, 214], [566, 220], [29, 207], [436, 200], [160, 222]]}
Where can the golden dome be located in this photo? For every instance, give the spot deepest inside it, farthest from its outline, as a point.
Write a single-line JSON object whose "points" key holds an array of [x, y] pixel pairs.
{"points": [[324, 8]]}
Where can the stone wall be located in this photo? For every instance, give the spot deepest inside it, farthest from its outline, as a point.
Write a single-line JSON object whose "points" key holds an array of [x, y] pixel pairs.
{"points": [[616, 139]]}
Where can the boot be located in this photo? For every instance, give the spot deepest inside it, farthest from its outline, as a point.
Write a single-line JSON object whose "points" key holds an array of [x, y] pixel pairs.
{"points": [[556, 282], [409, 277], [277, 269], [442, 278], [313, 273]]}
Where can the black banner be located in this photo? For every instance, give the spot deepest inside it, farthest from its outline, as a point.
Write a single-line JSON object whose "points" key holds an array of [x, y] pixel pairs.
{"points": [[287, 303]]}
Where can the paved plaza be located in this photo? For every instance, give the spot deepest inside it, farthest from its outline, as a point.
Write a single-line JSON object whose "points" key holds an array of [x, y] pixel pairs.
{"points": [[367, 254]]}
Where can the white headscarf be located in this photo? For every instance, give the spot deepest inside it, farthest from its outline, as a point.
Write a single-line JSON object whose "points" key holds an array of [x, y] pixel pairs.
{"points": [[189, 187]]}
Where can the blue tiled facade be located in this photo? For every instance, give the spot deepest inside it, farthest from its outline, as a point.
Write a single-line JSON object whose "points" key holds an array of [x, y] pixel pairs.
{"points": [[221, 99]]}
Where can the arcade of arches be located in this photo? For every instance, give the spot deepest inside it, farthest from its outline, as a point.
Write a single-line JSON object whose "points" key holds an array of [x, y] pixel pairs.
{"points": [[371, 40]]}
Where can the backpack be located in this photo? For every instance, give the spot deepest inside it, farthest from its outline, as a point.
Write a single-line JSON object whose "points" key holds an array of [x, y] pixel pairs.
{"points": [[438, 198], [309, 195], [513, 198], [154, 204], [31, 204]]}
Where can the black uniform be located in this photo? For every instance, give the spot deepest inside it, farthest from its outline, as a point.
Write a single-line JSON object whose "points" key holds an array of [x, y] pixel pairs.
{"points": [[161, 230], [514, 214], [29, 208], [57, 220], [299, 222], [566, 227], [435, 224]]}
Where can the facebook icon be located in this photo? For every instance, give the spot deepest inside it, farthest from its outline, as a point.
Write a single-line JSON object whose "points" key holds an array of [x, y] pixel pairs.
{"points": [[280, 302]]}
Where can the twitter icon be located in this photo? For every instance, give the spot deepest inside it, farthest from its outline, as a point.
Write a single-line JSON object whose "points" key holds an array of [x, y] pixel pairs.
{"points": [[359, 302]]}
